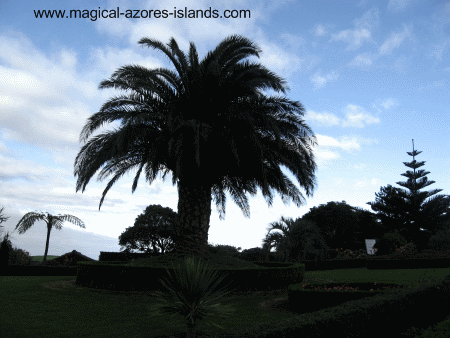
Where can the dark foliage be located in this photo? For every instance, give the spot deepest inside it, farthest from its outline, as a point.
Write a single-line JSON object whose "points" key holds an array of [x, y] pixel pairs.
{"points": [[209, 123], [387, 244], [344, 226], [253, 255], [414, 213], [153, 231], [227, 250], [5, 248]]}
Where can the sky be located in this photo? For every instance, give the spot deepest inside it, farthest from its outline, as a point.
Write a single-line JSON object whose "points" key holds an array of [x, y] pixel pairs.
{"points": [[372, 76]]}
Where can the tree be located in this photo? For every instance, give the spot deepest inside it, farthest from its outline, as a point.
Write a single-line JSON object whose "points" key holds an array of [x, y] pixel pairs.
{"points": [[210, 125], [30, 218], [5, 244], [342, 225], [296, 238], [367, 225], [390, 205], [415, 214], [151, 232], [3, 218]]}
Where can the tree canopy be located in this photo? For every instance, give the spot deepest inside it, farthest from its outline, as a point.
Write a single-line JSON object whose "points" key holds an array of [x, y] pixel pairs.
{"points": [[297, 239], [210, 125], [342, 225], [151, 232]]}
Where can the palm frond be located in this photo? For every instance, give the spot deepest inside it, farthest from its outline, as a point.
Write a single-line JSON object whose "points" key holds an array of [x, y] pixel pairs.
{"points": [[72, 219], [29, 219], [170, 54]]}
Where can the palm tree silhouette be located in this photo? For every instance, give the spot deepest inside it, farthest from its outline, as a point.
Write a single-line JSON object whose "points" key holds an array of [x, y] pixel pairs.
{"points": [[30, 218], [295, 236], [210, 125]]}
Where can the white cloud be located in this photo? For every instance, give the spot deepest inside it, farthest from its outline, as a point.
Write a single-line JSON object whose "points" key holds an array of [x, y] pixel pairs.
{"points": [[394, 41], [388, 103], [46, 91], [361, 33], [324, 119], [108, 60], [353, 37], [361, 60], [320, 80], [365, 182], [374, 106], [13, 169], [320, 30], [346, 143], [357, 117], [278, 60], [324, 154]]}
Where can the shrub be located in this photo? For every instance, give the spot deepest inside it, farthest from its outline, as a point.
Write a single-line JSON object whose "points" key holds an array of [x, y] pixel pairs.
{"points": [[19, 256], [10, 255], [440, 241], [226, 250], [387, 244], [340, 253], [253, 254], [5, 248]]}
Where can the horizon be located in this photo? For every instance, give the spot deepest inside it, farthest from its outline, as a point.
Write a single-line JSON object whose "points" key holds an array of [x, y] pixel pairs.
{"points": [[372, 76]]}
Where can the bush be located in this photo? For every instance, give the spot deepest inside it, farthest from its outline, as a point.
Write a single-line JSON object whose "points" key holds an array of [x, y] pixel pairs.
{"points": [[226, 250], [347, 253], [253, 255], [387, 244], [19, 256], [10, 255], [440, 241], [5, 249]]}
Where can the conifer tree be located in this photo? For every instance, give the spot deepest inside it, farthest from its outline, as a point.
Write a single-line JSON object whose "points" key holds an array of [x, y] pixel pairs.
{"points": [[413, 212]]}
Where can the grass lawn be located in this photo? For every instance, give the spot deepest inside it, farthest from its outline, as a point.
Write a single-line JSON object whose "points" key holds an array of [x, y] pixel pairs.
{"points": [[62, 309]]}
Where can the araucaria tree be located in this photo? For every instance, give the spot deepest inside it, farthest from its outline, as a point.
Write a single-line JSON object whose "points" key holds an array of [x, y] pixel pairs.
{"points": [[411, 210], [210, 125]]}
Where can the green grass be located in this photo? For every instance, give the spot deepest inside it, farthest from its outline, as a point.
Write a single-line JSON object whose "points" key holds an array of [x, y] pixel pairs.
{"points": [[31, 310], [39, 259]]}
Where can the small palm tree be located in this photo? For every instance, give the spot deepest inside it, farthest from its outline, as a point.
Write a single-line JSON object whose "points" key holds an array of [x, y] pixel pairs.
{"points": [[294, 236], [30, 218]]}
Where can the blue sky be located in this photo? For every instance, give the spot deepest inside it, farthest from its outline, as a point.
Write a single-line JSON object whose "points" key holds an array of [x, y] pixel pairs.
{"points": [[372, 76]]}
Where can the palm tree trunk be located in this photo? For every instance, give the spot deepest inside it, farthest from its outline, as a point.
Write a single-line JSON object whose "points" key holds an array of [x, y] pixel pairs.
{"points": [[49, 227], [194, 212], [191, 330]]}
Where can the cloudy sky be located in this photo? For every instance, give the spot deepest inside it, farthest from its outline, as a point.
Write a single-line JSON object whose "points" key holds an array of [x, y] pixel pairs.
{"points": [[372, 76]]}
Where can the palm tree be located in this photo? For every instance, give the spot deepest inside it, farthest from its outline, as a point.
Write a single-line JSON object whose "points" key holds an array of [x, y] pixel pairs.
{"points": [[295, 236], [30, 218], [210, 125]]}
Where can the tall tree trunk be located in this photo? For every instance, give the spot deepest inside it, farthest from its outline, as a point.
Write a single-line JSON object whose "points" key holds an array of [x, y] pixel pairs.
{"points": [[191, 330], [194, 213], [49, 227]]}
